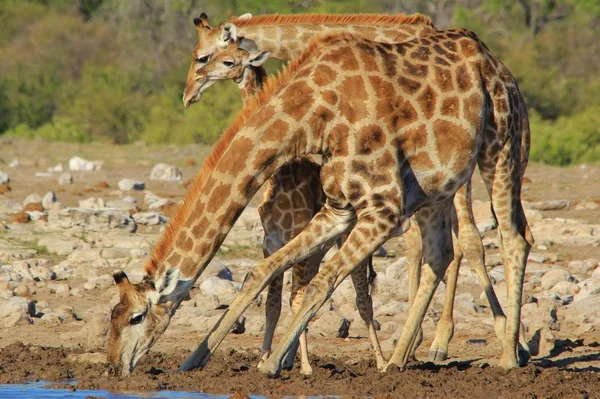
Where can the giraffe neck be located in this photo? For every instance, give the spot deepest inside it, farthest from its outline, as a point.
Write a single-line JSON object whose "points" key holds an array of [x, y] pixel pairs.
{"points": [[258, 150], [287, 40], [251, 82]]}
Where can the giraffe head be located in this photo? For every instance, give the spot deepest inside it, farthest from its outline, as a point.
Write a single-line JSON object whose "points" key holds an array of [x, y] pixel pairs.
{"points": [[138, 320], [220, 54]]}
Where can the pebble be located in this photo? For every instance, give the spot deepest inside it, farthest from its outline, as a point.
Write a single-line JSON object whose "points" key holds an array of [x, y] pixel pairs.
{"points": [[131, 184], [65, 179], [4, 178], [49, 199], [164, 172], [83, 165], [32, 198], [555, 276]]}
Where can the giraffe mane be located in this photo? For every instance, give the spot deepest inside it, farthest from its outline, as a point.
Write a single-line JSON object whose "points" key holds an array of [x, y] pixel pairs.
{"points": [[271, 86], [336, 19]]}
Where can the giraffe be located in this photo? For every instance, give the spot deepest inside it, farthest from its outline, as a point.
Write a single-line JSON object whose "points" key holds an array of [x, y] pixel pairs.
{"points": [[292, 197], [397, 140], [291, 33]]}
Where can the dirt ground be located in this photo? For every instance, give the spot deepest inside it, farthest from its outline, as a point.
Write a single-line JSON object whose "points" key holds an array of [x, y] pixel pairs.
{"points": [[342, 366]]}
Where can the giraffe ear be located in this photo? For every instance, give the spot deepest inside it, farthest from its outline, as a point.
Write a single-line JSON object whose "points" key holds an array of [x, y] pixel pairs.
{"points": [[166, 284], [258, 58], [228, 33]]}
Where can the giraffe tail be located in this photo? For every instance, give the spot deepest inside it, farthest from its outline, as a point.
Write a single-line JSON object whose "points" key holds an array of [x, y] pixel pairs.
{"points": [[372, 277], [504, 102]]}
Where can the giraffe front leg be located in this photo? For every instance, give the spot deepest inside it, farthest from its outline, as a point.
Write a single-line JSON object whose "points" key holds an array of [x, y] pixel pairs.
{"points": [[361, 243], [322, 231], [434, 223]]}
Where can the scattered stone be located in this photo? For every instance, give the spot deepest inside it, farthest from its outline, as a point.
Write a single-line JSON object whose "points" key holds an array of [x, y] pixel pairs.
{"points": [[583, 266], [65, 179], [565, 288], [555, 276], [21, 217], [128, 203], [82, 165], [149, 218], [59, 288], [549, 205], [218, 287], [131, 184], [164, 172], [96, 220], [49, 199], [56, 168], [92, 203], [4, 179], [21, 290], [397, 270], [32, 198], [33, 207]]}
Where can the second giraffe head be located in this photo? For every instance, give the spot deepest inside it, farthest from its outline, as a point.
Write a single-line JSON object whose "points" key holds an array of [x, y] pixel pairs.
{"points": [[219, 55]]}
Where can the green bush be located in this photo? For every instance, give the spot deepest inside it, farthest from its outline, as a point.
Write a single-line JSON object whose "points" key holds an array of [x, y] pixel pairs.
{"points": [[568, 140]]}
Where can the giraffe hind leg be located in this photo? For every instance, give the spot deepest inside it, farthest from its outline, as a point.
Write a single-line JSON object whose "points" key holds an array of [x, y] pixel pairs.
{"points": [[435, 225], [362, 279]]}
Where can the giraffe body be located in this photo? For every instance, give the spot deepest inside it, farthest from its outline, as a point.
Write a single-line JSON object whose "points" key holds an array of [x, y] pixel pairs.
{"points": [[285, 36], [397, 139]]}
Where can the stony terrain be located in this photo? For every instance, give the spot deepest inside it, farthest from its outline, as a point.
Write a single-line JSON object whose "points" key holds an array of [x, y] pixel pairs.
{"points": [[70, 215]]}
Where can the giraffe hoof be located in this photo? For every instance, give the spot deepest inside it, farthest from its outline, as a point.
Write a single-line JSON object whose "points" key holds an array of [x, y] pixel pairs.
{"points": [[509, 363], [269, 369], [523, 356], [391, 367], [306, 371], [437, 355]]}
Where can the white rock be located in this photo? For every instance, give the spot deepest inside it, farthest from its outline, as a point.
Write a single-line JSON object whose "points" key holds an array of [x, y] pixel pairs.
{"points": [[14, 163], [148, 218], [59, 288], [92, 203], [596, 273], [59, 244], [554, 277], [131, 184], [565, 288], [150, 197], [166, 172], [549, 205], [398, 270], [49, 199], [64, 179], [36, 215], [159, 204], [4, 178], [218, 287], [42, 273], [80, 164], [32, 199], [97, 220], [56, 168], [14, 305], [583, 266]]}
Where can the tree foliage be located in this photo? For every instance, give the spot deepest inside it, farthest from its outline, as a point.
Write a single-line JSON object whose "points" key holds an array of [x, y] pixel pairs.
{"points": [[110, 70]]}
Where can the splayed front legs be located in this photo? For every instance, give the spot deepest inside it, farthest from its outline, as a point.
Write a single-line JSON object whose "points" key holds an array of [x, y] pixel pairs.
{"points": [[360, 244], [327, 225]]}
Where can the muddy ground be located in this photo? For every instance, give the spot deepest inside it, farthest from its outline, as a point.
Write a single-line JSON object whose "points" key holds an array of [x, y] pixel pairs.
{"points": [[232, 371], [52, 351]]}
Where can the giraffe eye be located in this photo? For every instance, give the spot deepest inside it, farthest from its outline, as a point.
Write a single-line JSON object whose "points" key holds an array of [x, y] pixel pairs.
{"points": [[228, 64], [137, 318], [203, 60]]}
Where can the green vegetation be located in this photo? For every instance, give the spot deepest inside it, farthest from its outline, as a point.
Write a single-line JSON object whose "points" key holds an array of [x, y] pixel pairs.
{"points": [[113, 71]]}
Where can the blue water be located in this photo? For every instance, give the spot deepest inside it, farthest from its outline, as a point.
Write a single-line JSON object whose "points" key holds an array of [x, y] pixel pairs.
{"points": [[38, 391]]}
